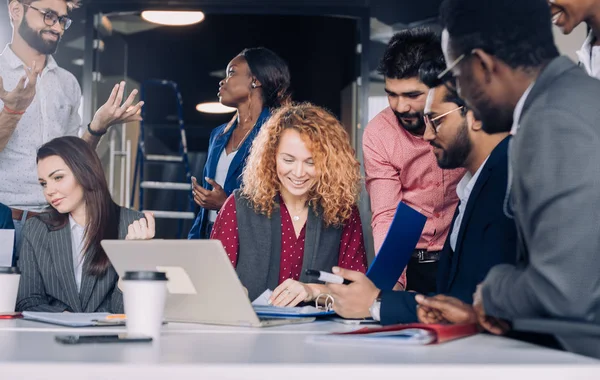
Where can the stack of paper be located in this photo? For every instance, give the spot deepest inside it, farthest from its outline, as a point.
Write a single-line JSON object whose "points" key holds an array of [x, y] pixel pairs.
{"points": [[407, 334], [73, 319], [263, 309]]}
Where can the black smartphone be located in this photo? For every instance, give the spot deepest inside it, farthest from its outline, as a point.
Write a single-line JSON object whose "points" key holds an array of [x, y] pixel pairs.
{"points": [[120, 338]]}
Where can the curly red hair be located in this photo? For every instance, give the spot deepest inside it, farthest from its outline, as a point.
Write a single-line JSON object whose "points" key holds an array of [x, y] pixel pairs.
{"points": [[336, 189]]}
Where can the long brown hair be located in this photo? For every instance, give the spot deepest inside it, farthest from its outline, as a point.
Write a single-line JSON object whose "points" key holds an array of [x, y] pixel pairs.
{"points": [[102, 214]]}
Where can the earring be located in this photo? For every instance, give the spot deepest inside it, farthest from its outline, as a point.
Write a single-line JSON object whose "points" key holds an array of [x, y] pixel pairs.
{"points": [[253, 85]]}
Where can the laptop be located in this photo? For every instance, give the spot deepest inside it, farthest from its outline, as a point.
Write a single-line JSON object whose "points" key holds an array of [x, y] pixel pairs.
{"points": [[203, 286]]}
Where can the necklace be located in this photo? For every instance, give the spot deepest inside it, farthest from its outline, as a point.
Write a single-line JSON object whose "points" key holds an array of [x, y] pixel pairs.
{"points": [[296, 218], [235, 148]]}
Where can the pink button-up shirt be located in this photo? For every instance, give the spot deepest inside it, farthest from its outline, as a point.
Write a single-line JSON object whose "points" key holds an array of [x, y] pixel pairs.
{"points": [[402, 167]]}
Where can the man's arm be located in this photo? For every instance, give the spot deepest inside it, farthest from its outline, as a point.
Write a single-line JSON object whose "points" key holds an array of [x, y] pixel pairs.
{"points": [[15, 103], [383, 184], [113, 112], [8, 124], [558, 186], [398, 307]]}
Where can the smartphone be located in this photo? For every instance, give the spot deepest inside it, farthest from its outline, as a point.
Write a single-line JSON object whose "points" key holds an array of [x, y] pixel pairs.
{"points": [[120, 338]]}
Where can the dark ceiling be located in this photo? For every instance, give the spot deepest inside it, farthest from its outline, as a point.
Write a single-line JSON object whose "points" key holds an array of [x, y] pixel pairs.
{"points": [[319, 50]]}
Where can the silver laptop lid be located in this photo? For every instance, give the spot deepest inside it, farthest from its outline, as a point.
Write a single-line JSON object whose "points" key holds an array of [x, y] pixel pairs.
{"points": [[203, 286]]}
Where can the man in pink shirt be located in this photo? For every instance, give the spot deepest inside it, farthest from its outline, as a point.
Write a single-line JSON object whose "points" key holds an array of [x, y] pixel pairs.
{"points": [[399, 163]]}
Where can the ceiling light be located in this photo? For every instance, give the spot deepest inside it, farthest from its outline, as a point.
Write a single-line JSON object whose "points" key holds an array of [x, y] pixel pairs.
{"points": [[214, 107], [173, 17]]}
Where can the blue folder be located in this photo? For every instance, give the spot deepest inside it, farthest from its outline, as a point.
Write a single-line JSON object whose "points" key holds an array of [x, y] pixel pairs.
{"points": [[397, 248]]}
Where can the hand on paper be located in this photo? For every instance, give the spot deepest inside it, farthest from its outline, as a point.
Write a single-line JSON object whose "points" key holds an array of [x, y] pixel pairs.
{"points": [[444, 309], [208, 199], [291, 293], [142, 229], [355, 299], [113, 112]]}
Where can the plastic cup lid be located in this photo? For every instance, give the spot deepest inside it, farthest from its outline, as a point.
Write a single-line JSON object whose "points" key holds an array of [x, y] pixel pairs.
{"points": [[10, 270], [145, 276]]}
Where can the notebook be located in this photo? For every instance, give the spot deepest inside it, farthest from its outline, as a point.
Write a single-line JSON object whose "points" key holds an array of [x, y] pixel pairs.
{"points": [[397, 248], [74, 319], [406, 334], [263, 309], [7, 241]]}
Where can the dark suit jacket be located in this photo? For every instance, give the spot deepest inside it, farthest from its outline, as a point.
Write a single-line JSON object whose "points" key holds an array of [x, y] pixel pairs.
{"points": [[486, 238], [47, 275], [218, 141], [554, 195]]}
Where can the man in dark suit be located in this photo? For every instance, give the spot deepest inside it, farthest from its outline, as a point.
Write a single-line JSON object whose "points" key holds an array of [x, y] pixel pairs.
{"points": [[481, 236], [503, 55]]}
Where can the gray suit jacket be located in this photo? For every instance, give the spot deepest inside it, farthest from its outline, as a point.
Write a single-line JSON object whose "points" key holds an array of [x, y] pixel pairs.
{"points": [[555, 195], [47, 276]]}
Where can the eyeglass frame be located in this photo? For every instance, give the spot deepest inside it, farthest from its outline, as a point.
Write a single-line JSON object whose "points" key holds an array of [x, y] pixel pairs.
{"points": [[68, 21], [429, 122]]}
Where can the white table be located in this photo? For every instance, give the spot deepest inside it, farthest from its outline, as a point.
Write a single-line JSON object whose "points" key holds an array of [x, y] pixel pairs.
{"points": [[28, 350]]}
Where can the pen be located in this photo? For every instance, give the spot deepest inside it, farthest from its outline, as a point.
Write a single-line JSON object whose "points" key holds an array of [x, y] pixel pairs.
{"points": [[327, 277]]}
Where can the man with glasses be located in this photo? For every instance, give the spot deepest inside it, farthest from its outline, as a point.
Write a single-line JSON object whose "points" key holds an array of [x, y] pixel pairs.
{"points": [[40, 101], [512, 73], [399, 166], [481, 236]]}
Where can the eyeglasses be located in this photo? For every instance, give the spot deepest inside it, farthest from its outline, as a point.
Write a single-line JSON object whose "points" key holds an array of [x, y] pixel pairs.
{"points": [[436, 122], [51, 18]]}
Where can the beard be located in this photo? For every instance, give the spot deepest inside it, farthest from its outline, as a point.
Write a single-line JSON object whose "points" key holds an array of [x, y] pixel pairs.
{"points": [[456, 154], [494, 119], [36, 41], [416, 126]]}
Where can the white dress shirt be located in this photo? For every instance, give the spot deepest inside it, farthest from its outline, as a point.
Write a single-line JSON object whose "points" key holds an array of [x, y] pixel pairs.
{"points": [[77, 232], [53, 113], [221, 175], [589, 56], [463, 190], [519, 110]]}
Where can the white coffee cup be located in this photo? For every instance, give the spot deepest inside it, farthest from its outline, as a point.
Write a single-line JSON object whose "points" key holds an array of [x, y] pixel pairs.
{"points": [[144, 295], [9, 285]]}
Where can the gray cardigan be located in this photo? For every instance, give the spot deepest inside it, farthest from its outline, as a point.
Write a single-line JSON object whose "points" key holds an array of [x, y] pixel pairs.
{"points": [[47, 276]]}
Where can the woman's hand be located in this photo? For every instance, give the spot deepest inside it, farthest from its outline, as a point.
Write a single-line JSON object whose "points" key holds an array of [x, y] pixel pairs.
{"points": [[142, 229], [208, 199], [291, 293]]}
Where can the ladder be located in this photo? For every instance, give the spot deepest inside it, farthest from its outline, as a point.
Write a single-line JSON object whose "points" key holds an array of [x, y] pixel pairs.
{"points": [[182, 158]]}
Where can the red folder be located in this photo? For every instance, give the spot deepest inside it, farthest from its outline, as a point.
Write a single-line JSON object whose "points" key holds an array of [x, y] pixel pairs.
{"points": [[441, 333]]}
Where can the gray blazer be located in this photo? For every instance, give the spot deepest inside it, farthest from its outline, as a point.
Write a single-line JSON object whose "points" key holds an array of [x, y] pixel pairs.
{"points": [[555, 197], [47, 277]]}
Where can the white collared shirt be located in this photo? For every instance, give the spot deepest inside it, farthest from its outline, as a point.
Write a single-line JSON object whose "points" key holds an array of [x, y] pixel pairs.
{"points": [[463, 190], [589, 56], [53, 113], [77, 232], [221, 175], [519, 110]]}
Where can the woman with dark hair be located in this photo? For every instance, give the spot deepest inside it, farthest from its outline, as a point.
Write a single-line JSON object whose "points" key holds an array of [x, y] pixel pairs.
{"points": [[63, 267], [256, 81]]}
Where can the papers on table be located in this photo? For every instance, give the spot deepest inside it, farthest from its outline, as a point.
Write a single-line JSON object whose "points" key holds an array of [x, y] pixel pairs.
{"points": [[7, 241], [404, 334], [74, 319], [263, 309]]}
